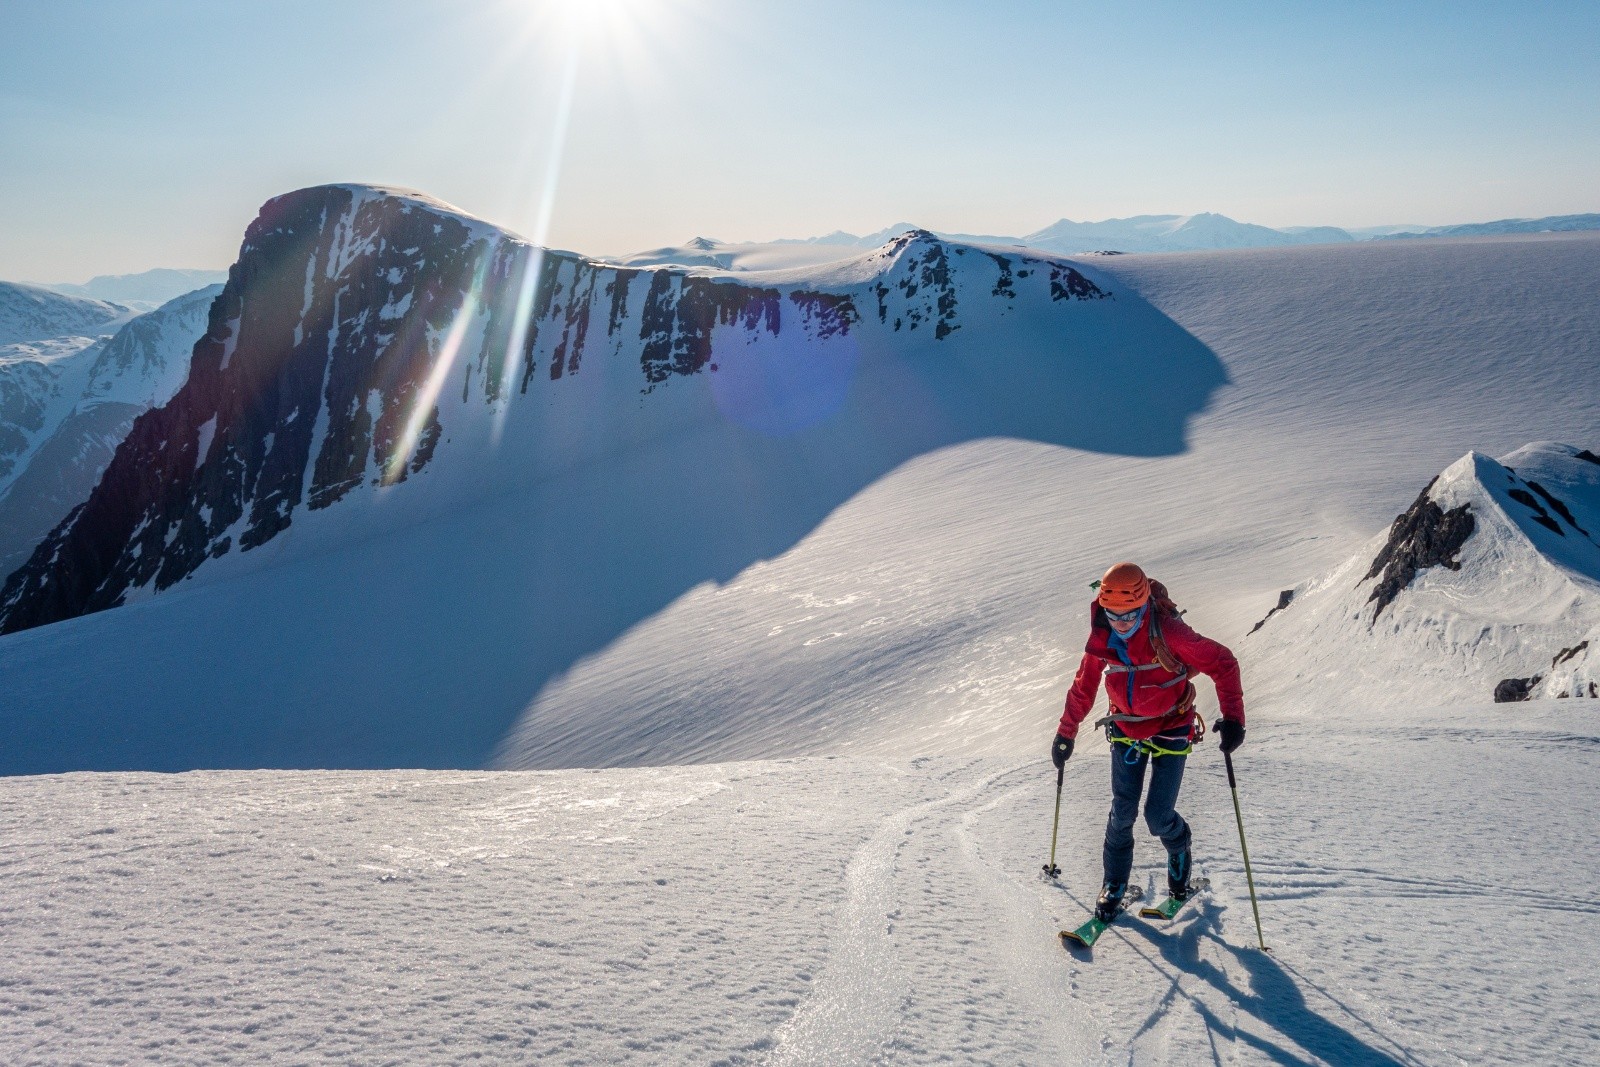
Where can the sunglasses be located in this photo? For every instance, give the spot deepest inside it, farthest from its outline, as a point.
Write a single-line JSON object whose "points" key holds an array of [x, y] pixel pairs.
{"points": [[1124, 616]]}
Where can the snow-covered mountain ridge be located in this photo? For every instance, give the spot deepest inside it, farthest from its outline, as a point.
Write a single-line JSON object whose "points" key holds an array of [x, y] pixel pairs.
{"points": [[31, 313], [652, 431], [1487, 587], [333, 357], [78, 398], [694, 571]]}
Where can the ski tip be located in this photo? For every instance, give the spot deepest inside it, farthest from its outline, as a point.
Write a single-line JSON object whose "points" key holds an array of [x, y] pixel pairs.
{"points": [[1084, 936]]}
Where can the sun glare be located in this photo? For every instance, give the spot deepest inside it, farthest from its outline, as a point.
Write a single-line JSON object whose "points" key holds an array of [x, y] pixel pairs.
{"points": [[620, 43], [603, 19]]}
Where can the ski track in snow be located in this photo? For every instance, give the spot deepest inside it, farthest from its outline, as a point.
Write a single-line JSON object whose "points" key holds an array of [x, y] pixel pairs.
{"points": [[920, 900]]}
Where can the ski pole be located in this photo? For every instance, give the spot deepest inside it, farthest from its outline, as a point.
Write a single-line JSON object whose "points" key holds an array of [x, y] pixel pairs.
{"points": [[1248, 877], [1050, 868]]}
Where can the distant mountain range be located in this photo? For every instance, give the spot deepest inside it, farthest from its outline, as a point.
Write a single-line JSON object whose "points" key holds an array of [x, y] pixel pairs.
{"points": [[1189, 233], [144, 291]]}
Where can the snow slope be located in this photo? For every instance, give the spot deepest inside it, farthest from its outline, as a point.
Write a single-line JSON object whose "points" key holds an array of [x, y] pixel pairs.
{"points": [[76, 399], [914, 617], [38, 379], [1425, 892]]}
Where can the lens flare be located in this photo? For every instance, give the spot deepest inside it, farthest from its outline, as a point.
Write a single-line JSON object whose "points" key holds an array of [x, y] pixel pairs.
{"points": [[541, 236], [423, 404], [622, 41]]}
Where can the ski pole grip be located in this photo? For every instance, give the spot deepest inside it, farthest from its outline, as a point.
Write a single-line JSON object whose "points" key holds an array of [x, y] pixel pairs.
{"points": [[1061, 774], [1227, 757]]}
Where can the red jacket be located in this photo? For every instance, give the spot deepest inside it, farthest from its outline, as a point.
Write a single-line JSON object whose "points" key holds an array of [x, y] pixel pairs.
{"points": [[1200, 654]]}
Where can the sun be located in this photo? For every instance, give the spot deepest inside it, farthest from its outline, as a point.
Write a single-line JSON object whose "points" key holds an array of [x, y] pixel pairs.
{"points": [[603, 18], [615, 27]]}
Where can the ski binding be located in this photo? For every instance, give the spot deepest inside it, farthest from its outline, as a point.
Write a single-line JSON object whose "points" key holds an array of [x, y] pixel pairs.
{"points": [[1169, 907], [1087, 934]]}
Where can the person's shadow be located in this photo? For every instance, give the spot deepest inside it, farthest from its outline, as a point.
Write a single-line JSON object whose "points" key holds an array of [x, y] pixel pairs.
{"points": [[1273, 996], [707, 426]]}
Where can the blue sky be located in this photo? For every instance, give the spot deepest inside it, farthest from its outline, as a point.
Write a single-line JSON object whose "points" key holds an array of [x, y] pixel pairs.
{"points": [[146, 134]]}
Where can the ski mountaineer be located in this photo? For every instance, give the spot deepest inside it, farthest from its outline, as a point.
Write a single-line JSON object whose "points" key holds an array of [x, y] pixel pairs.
{"points": [[1148, 653]]}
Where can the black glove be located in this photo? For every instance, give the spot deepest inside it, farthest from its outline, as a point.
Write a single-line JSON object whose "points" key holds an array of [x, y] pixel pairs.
{"points": [[1230, 734], [1060, 751]]}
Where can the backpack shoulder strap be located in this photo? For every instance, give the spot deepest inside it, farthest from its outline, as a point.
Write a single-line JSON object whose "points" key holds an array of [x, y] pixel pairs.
{"points": [[1163, 652]]}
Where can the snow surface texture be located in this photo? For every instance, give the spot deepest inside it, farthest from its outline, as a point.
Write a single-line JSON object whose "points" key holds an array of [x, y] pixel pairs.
{"points": [[70, 401], [1425, 891]]}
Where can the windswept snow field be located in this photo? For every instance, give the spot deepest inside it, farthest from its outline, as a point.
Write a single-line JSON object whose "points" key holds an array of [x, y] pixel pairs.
{"points": [[768, 649], [1426, 885]]}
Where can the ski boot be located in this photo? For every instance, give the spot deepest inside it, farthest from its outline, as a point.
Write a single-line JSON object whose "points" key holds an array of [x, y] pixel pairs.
{"points": [[1179, 886], [1109, 905]]}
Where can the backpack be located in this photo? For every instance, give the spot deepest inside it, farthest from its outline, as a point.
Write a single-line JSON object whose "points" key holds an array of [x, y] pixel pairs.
{"points": [[1162, 601]]}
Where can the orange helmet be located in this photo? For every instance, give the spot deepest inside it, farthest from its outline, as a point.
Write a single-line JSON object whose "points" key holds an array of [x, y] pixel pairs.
{"points": [[1124, 588]]}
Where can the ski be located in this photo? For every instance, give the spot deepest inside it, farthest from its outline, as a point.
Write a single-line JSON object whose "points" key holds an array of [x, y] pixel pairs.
{"points": [[1169, 907], [1087, 934]]}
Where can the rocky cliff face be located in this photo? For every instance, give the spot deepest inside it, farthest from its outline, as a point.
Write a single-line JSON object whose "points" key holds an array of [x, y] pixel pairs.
{"points": [[360, 327]]}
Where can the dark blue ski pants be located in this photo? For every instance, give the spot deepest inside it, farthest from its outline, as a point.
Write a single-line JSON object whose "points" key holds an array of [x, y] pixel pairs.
{"points": [[1160, 811]]}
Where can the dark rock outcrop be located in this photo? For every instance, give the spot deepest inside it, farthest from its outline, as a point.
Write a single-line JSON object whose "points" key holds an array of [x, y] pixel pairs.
{"points": [[1004, 285], [1068, 284], [1284, 599], [1567, 654], [1540, 516], [1424, 536], [922, 267], [1557, 505], [1510, 690]]}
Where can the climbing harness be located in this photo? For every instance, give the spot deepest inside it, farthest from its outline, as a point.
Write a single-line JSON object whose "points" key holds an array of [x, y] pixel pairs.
{"points": [[1149, 745]]}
